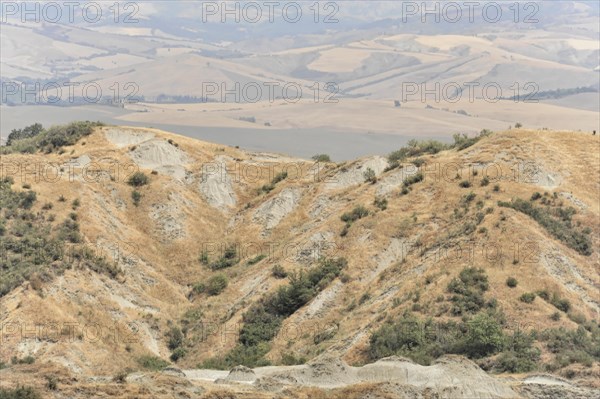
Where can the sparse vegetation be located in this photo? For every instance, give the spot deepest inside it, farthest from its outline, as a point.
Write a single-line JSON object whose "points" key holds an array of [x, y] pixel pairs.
{"points": [[51, 382], [153, 363], [511, 282], [32, 246], [20, 392], [321, 158], [527, 297], [136, 196], [416, 178], [463, 141], [256, 259], [216, 284], [357, 213], [557, 221], [369, 176], [120, 377], [263, 320], [279, 272], [267, 188], [467, 291], [230, 258], [415, 148], [138, 179], [380, 203]]}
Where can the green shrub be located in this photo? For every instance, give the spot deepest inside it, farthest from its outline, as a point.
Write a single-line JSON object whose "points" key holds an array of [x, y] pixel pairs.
{"points": [[418, 162], [229, 259], [34, 138], [484, 336], [416, 178], [20, 392], [536, 196], [26, 360], [51, 382], [519, 355], [279, 177], [216, 284], [364, 298], [560, 303], [496, 187], [204, 258], [289, 359], [120, 377], [555, 316], [572, 346], [138, 179], [369, 176], [527, 297], [136, 196], [60, 136], [468, 291], [154, 363], [465, 184], [485, 181], [416, 148], [511, 282], [177, 354], [175, 338], [279, 272], [358, 212], [256, 259], [544, 294], [267, 188], [420, 340], [25, 133], [249, 356], [462, 141], [321, 158], [199, 288], [380, 203]]}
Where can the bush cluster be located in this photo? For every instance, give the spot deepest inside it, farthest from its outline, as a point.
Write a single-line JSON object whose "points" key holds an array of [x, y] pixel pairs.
{"points": [[467, 291], [34, 138], [263, 319]]}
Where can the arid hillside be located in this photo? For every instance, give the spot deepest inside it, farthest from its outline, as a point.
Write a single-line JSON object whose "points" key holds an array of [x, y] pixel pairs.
{"points": [[138, 263]]}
